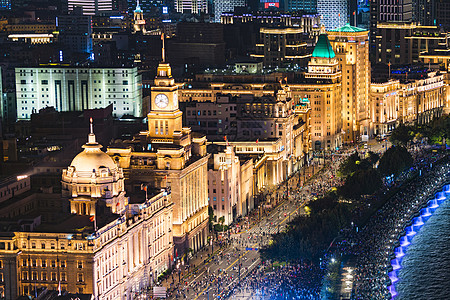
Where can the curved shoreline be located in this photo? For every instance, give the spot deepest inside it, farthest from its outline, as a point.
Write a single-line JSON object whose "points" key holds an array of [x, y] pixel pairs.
{"points": [[416, 221]]}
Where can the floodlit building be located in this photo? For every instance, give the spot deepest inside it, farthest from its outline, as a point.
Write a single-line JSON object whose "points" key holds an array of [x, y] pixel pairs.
{"points": [[322, 92], [108, 245], [351, 46], [384, 106], [76, 88], [170, 156], [224, 189]]}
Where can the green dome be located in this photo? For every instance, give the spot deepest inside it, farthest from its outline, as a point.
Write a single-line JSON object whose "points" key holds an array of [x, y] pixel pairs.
{"points": [[347, 28], [323, 48]]}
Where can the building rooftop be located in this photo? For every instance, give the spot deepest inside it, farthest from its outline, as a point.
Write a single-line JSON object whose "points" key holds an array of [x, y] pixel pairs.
{"points": [[348, 28], [323, 48]]}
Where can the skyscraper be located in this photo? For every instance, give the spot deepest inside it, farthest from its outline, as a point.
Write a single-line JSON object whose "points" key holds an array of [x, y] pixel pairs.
{"points": [[191, 6], [5, 4], [387, 11], [221, 6], [309, 6], [334, 13], [91, 7]]}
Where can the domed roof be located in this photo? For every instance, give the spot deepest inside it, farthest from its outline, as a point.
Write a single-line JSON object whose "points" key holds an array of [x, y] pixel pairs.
{"points": [[323, 48], [92, 158]]}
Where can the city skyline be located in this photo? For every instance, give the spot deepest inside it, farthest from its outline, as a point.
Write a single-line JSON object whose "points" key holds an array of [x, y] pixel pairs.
{"points": [[197, 149]]}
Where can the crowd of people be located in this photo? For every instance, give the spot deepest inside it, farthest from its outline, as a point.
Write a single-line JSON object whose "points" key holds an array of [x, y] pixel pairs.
{"points": [[300, 281], [373, 244]]}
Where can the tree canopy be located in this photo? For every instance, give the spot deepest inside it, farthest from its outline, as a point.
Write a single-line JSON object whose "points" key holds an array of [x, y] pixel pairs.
{"points": [[394, 161]]}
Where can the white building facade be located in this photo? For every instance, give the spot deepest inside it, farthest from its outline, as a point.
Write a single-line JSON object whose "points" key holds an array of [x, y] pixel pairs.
{"points": [[76, 89], [131, 252]]}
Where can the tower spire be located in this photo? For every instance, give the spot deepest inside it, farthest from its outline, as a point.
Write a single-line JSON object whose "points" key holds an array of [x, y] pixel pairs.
{"points": [[91, 126], [91, 136], [163, 48]]}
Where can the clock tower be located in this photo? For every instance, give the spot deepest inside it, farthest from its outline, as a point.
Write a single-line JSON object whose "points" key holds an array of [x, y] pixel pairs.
{"points": [[164, 117]]}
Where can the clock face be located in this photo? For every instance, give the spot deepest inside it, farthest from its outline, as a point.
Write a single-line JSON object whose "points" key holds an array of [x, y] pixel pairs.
{"points": [[161, 100]]}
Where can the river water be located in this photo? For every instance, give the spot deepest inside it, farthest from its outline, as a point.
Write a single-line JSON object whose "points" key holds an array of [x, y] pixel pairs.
{"points": [[425, 272]]}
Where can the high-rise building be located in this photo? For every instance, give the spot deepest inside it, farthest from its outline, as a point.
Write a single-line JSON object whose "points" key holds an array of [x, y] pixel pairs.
{"points": [[149, 7], [309, 6], [191, 6], [387, 11], [76, 89], [424, 12], [91, 7], [75, 31], [5, 4], [334, 13], [351, 46], [281, 46], [443, 13], [221, 6], [404, 42]]}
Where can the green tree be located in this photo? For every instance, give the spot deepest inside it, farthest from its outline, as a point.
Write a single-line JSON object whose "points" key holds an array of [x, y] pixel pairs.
{"points": [[394, 161], [402, 135], [211, 217], [362, 182], [372, 157], [349, 166]]}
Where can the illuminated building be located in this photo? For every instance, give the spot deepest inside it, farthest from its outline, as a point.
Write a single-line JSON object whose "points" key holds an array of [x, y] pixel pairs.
{"points": [[302, 5], [323, 92], [402, 43], [221, 6], [169, 155], [412, 101], [382, 11], [308, 22], [224, 186], [422, 100], [5, 4], [351, 46], [91, 7], [91, 176], [31, 28], [138, 18], [32, 38], [289, 19], [132, 251], [280, 46], [334, 13], [111, 250], [384, 106], [77, 88], [191, 6]]}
